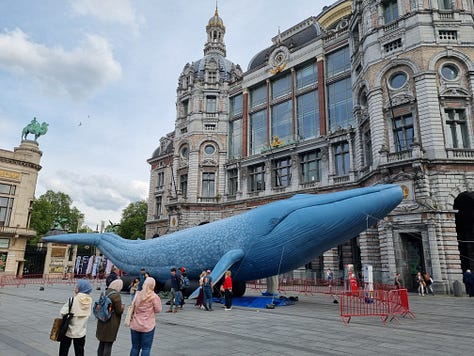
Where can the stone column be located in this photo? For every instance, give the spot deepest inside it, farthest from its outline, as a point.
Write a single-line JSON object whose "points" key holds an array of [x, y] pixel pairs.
{"points": [[377, 126], [430, 129]]}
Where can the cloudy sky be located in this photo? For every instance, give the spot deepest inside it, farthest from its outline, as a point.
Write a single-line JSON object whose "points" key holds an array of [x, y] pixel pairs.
{"points": [[103, 74]]}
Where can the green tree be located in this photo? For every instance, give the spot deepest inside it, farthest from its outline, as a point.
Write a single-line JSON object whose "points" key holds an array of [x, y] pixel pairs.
{"points": [[53, 209], [132, 224]]}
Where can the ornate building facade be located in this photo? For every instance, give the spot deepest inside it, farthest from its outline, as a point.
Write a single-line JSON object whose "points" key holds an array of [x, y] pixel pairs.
{"points": [[363, 93], [18, 176]]}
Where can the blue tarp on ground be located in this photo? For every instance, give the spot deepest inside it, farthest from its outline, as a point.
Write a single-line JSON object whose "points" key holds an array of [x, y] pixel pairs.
{"points": [[257, 301]]}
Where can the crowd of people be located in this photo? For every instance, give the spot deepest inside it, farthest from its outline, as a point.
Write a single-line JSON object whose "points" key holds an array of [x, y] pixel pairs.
{"points": [[146, 303]]}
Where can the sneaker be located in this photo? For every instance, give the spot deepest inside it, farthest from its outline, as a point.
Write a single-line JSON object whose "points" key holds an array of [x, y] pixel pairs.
{"points": [[169, 311], [175, 311]]}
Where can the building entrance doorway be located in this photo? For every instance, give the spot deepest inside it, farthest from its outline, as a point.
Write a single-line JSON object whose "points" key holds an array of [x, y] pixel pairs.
{"points": [[412, 253], [464, 203]]}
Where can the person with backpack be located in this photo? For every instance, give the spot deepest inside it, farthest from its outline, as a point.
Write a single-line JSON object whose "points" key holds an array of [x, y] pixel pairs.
{"points": [[142, 324], [176, 285], [107, 330], [111, 277], [81, 310]]}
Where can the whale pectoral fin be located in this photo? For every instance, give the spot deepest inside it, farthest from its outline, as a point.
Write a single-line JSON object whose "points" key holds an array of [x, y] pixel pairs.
{"points": [[228, 260]]}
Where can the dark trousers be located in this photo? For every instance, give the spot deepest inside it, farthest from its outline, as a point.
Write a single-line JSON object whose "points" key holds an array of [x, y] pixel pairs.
{"points": [[141, 341], [79, 344], [105, 349], [228, 298], [207, 297]]}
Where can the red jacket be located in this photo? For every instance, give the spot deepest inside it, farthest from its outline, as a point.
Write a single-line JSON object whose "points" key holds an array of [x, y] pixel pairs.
{"points": [[227, 283]]}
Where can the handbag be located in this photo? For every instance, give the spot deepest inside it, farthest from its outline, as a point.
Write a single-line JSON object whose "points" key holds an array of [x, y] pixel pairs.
{"points": [[53, 335], [60, 325], [129, 316]]}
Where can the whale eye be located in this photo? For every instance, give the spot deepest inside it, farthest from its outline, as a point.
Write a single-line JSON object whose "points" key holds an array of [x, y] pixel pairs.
{"points": [[274, 221]]}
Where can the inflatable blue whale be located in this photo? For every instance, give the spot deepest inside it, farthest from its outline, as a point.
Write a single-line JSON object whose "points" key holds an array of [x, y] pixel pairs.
{"points": [[268, 240]]}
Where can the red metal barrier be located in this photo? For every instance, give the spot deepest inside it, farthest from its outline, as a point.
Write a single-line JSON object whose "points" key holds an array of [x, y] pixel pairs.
{"points": [[43, 279], [381, 303], [399, 303], [362, 303]]}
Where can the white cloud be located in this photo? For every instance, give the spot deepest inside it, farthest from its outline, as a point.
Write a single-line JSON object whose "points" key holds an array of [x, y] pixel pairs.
{"points": [[115, 11], [76, 73], [99, 192]]}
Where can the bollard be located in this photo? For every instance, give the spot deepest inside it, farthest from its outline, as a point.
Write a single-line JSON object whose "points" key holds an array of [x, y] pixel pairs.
{"points": [[457, 289]]}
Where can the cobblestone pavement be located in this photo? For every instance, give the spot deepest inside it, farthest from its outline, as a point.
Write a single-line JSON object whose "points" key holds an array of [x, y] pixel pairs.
{"points": [[443, 326]]}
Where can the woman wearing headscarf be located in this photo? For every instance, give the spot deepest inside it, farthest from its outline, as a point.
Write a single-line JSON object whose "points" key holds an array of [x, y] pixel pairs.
{"points": [[81, 310], [107, 331], [142, 325]]}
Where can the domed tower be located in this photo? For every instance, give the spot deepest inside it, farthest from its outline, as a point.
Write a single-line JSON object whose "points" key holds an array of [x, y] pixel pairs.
{"points": [[196, 170], [215, 36]]}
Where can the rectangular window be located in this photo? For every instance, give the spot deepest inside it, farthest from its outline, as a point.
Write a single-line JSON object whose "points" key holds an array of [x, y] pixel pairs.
{"points": [[445, 4], [235, 139], [6, 206], [342, 158], [3, 261], [310, 166], [233, 181], [212, 76], [7, 191], [306, 76], [183, 184], [390, 11], [211, 103], [160, 181], [281, 172], [158, 206], [258, 131], [236, 105], [258, 96], [338, 62], [4, 243], [457, 126], [185, 107], [367, 147], [282, 122], [257, 178], [307, 108], [208, 184], [403, 132], [340, 104], [281, 87]]}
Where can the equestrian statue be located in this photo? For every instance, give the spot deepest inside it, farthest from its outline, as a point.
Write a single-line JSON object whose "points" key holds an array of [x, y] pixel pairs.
{"points": [[35, 128]]}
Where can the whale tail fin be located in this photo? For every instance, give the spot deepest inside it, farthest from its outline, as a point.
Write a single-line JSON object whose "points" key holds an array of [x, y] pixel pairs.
{"points": [[77, 239], [228, 260]]}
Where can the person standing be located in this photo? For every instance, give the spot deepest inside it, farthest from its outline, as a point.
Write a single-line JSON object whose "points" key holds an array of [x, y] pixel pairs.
{"points": [[428, 283], [228, 290], [174, 292], [397, 281], [200, 298], [468, 280], [111, 277], [142, 278], [81, 310], [207, 290], [421, 284], [142, 325], [134, 288], [330, 279], [107, 331]]}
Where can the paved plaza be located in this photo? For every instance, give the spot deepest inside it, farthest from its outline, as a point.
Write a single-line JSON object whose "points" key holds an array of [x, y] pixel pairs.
{"points": [[443, 326]]}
